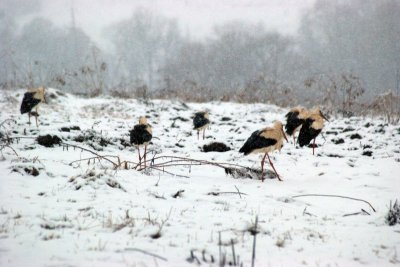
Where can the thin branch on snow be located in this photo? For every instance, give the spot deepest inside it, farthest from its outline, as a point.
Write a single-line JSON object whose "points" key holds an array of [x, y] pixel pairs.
{"points": [[339, 196]]}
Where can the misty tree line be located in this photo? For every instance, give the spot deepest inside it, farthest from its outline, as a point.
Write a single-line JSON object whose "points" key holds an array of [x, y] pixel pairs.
{"points": [[344, 51]]}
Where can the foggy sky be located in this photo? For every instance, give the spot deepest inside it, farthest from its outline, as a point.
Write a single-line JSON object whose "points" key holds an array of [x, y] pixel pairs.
{"points": [[196, 17]]}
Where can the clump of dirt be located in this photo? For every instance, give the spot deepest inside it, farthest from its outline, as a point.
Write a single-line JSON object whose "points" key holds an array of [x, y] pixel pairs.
{"points": [[216, 147], [355, 136], [225, 119], [249, 173], [31, 171], [338, 141], [94, 139], [68, 129], [48, 140], [367, 153]]}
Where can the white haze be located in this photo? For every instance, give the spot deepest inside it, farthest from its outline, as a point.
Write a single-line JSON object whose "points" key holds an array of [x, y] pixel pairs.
{"points": [[196, 17]]}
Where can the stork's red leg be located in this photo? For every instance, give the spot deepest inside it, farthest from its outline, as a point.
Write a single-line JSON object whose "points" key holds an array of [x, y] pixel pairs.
{"points": [[36, 117], [140, 159], [313, 146], [272, 165], [294, 140], [204, 133], [198, 134], [262, 167], [145, 151]]}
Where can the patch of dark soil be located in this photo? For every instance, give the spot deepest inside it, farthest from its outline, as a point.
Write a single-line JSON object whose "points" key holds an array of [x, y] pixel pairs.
{"points": [[334, 156], [93, 139], [348, 129], [216, 147], [355, 136], [367, 153], [338, 141], [48, 140], [331, 132], [225, 119], [65, 129], [250, 173], [179, 118], [31, 171]]}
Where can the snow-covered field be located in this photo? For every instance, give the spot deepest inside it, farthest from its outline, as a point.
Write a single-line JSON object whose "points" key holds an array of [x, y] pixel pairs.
{"points": [[88, 214]]}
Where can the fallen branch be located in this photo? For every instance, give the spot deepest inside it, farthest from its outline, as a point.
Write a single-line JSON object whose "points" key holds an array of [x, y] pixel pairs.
{"points": [[92, 152], [323, 195], [146, 253]]}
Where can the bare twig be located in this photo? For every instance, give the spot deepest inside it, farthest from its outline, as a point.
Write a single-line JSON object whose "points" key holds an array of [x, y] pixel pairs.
{"points": [[323, 195], [219, 193], [233, 252], [253, 257], [146, 253]]}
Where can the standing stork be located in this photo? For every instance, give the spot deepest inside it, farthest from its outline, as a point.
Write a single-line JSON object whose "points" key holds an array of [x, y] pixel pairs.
{"points": [[141, 134], [294, 120], [201, 122], [311, 128], [31, 100], [264, 141]]}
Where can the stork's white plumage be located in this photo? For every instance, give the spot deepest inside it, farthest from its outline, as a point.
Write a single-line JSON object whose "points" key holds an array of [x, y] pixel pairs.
{"points": [[141, 134], [311, 127], [31, 100], [264, 141]]}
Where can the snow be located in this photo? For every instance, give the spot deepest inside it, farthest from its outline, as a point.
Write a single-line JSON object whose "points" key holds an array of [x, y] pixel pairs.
{"points": [[69, 216]]}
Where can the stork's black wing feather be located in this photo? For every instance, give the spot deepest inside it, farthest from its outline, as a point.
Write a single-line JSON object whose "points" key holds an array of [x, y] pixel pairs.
{"points": [[199, 120], [307, 133], [28, 102], [256, 141], [140, 135], [292, 122]]}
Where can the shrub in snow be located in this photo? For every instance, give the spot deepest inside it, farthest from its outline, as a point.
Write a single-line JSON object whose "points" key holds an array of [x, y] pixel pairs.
{"points": [[393, 215], [216, 147], [48, 140]]}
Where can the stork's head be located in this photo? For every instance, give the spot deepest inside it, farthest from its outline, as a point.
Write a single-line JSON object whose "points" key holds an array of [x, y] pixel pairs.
{"points": [[318, 111], [279, 126], [142, 120], [40, 92]]}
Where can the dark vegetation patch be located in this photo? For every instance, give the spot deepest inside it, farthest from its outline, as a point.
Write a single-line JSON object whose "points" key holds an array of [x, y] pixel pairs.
{"points": [[31, 171], [367, 153], [331, 132], [48, 140], [225, 119], [216, 147], [393, 215], [94, 139], [250, 173], [334, 156], [179, 119], [368, 124], [355, 136], [348, 129], [68, 129], [338, 141], [124, 142]]}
